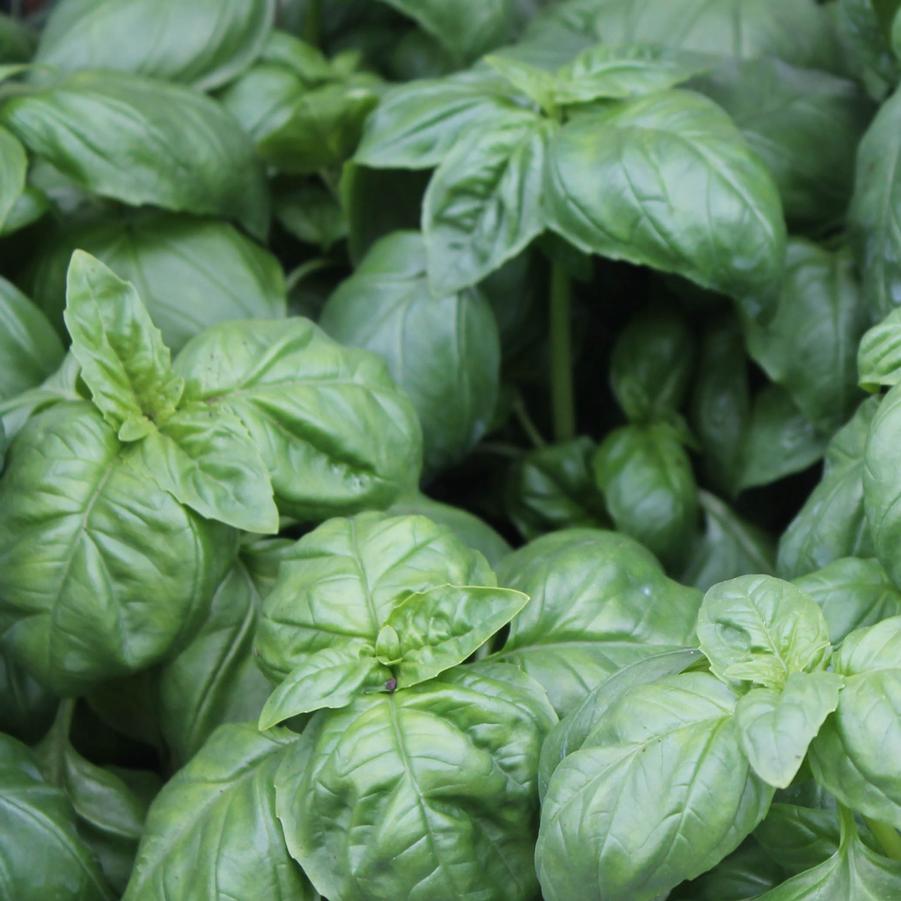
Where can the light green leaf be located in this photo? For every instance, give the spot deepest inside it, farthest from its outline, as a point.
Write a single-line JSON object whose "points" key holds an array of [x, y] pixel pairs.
{"points": [[536, 83], [776, 727], [12, 182], [122, 356], [761, 629], [879, 354]]}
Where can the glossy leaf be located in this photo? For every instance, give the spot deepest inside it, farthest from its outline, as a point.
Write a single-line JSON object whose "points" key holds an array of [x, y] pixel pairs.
{"points": [[598, 602], [761, 629], [666, 181], [333, 429]]}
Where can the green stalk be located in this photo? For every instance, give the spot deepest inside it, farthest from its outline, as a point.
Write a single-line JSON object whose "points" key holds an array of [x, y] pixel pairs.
{"points": [[887, 836], [562, 404], [56, 741], [313, 24]]}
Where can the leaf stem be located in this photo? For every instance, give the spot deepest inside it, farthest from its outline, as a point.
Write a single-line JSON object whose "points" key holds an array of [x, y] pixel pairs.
{"points": [[887, 836], [312, 26], [561, 355], [526, 422]]}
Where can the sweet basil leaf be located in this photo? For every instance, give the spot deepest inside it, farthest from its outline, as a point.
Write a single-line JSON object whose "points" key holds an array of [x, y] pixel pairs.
{"points": [[122, 356], [312, 214], [743, 874], [27, 708], [832, 522], [879, 354], [333, 429], [649, 487], [184, 152], [672, 747], [208, 812], [864, 41], [443, 351], [761, 629], [798, 838], [598, 602], [453, 792], [12, 183]]}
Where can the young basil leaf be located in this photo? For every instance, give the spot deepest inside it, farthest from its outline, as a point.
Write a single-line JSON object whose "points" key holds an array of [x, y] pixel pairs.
{"points": [[205, 44], [38, 825], [872, 217], [649, 487], [851, 593], [761, 629], [84, 530], [672, 748], [339, 584], [440, 627], [184, 152], [484, 202], [776, 727], [14, 164], [538, 84], [879, 354], [209, 811], [333, 429], [444, 351], [205, 458], [122, 356], [452, 795], [667, 181], [599, 601], [832, 523]]}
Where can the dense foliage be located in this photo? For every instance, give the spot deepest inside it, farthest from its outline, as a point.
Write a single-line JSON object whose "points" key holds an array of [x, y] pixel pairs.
{"points": [[451, 449]]}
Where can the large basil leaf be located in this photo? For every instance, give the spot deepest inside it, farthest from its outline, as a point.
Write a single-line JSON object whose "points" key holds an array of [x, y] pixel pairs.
{"points": [[832, 523], [810, 344], [427, 793], [761, 629], [876, 209], [83, 532], [484, 203], [553, 487], [672, 748], [443, 351], [332, 427], [599, 601], [849, 755], [667, 181], [184, 151], [203, 43], [212, 831], [29, 348], [649, 488], [42, 855], [852, 593], [728, 547], [340, 583], [805, 125], [191, 273]]}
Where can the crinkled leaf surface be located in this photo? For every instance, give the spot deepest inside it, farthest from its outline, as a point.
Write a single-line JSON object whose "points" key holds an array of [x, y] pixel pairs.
{"points": [[879, 354]]}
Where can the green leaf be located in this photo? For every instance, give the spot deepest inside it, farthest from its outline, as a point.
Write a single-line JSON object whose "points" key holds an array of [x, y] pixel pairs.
{"points": [[879, 354], [776, 727], [728, 547], [865, 46], [30, 350], [442, 351], [798, 838], [666, 181], [330, 677], [873, 216], [340, 583], [26, 706], [262, 97], [312, 214], [440, 776], [191, 273], [617, 72], [832, 523], [870, 649], [743, 874], [671, 748], [84, 530], [651, 364], [809, 345], [761, 629], [484, 202], [598, 602], [851, 593], [204, 457], [40, 839], [220, 810], [649, 487], [123, 359], [536, 83], [184, 152], [205, 44], [333, 429], [14, 164], [442, 626]]}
